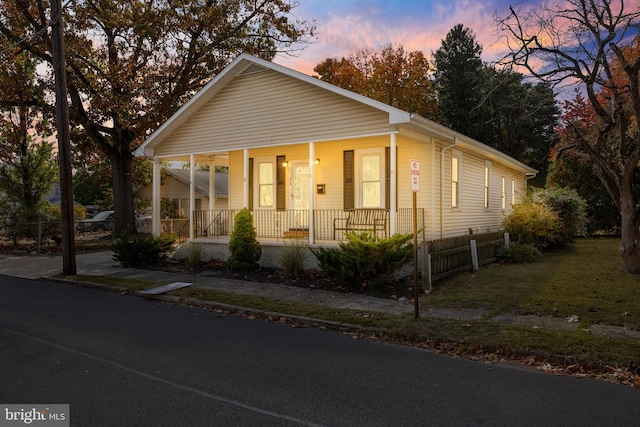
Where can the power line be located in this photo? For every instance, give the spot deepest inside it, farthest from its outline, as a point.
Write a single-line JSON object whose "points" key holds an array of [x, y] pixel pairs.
{"points": [[43, 30]]}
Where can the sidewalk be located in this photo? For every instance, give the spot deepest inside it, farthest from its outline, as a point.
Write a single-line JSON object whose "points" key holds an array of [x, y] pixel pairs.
{"points": [[101, 264]]}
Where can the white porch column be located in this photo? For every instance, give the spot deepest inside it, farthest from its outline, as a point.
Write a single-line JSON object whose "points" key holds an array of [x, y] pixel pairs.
{"points": [[155, 198], [393, 183], [245, 189], [312, 193], [192, 192], [212, 186]]}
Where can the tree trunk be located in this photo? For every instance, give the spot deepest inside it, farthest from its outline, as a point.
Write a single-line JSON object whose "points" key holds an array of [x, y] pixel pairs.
{"points": [[124, 216], [630, 233]]}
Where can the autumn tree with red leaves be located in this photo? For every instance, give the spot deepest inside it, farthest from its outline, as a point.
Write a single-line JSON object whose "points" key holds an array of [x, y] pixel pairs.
{"points": [[594, 43], [393, 76]]}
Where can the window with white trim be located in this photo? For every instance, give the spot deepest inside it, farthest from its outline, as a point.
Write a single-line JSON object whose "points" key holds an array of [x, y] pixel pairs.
{"points": [[456, 167], [513, 191], [265, 184], [487, 184], [503, 193], [370, 174]]}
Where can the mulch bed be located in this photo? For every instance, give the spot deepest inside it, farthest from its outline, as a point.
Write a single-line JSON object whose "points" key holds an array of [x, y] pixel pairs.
{"points": [[311, 279]]}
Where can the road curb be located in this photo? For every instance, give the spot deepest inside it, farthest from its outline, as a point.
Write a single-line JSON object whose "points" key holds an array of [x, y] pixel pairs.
{"points": [[193, 302]]}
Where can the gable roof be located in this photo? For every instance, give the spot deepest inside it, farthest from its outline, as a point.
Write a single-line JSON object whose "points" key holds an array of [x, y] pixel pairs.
{"points": [[246, 65]]}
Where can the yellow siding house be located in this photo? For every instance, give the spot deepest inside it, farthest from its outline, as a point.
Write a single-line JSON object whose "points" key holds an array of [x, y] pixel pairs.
{"points": [[306, 156]]}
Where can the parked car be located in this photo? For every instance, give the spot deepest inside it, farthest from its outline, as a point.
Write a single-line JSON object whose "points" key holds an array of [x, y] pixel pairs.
{"points": [[91, 210], [101, 222]]}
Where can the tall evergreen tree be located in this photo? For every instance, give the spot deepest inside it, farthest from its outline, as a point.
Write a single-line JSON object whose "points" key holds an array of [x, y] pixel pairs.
{"points": [[520, 118], [497, 107], [457, 75]]}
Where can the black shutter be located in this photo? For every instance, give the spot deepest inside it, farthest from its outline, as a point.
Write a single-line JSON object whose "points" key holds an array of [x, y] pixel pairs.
{"points": [[280, 184], [349, 179]]}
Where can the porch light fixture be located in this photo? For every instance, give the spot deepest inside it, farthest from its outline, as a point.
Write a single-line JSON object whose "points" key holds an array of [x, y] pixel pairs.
{"points": [[285, 164], [317, 161]]}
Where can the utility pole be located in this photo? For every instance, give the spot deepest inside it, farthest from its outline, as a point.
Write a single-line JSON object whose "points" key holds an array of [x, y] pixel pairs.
{"points": [[64, 144]]}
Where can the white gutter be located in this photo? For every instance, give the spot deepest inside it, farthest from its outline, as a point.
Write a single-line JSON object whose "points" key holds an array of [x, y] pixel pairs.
{"points": [[442, 202]]}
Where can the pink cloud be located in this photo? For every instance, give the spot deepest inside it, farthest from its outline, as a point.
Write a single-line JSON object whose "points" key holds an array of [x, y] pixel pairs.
{"points": [[345, 29]]}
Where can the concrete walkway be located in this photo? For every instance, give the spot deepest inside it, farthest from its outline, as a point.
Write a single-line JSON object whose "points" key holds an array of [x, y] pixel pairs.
{"points": [[101, 264]]}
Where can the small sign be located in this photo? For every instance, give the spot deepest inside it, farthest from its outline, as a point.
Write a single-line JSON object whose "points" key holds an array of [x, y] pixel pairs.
{"points": [[415, 175], [415, 167], [415, 183]]}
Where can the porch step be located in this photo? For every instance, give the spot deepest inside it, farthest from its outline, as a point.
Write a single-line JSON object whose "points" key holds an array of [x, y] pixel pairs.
{"points": [[296, 233]]}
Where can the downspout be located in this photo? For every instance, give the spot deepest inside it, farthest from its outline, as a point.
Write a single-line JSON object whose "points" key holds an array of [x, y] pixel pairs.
{"points": [[526, 184], [432, 229], [442, 202]]}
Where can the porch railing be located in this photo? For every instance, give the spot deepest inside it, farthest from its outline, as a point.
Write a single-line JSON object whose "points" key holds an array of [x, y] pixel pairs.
{"points": [[292, 223]]}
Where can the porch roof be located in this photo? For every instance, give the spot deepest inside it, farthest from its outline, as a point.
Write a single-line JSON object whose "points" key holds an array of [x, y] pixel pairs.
{"points": [[246, 64]]}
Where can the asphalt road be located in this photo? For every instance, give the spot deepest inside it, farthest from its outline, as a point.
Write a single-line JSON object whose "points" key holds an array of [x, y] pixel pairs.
{"points": [[126, 361]]}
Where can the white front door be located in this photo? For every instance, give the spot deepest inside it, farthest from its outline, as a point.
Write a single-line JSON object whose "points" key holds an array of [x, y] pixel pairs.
{"points": [[299, 191]]}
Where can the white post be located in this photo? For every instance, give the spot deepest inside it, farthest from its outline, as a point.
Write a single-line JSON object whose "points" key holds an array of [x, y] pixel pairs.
{"points": [[506, 240], [312, 193], [245, 177], [192, 192], [212, 186], [426, 268], [155, 198], [393, 184]]}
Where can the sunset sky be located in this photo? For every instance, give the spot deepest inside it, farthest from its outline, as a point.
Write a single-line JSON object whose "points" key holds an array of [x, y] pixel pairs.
{"points": [[344, 26]]}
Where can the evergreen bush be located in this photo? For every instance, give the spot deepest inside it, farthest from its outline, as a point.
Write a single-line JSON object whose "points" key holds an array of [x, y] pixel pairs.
{"points": [[365, 260], [244, 248], [570, 208], [141, 250]]}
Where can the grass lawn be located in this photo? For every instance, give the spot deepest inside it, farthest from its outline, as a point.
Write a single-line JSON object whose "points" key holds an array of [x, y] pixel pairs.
{"points": [[583, 280]]}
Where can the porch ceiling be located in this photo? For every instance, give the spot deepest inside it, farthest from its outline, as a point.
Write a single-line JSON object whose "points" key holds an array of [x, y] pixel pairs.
{"points": [[219, 159]]}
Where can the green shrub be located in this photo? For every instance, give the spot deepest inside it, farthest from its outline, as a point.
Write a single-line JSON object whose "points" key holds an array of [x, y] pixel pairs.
{"points": [[245, 249], [534, 224], [365, 260], [518, 253], [194, 255], [292, 256], [141, 250], [570, 208]]}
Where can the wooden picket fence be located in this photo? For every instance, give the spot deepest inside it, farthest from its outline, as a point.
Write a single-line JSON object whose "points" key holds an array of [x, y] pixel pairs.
{"points": [[446, 257]]}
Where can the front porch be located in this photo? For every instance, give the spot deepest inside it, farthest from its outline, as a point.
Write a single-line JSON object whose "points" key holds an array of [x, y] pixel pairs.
{"points": [[313, 226]]}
